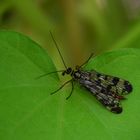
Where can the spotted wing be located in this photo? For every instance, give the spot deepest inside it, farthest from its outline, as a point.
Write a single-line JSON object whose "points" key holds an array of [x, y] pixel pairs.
{"points": [[111, 84], [107, 90]]}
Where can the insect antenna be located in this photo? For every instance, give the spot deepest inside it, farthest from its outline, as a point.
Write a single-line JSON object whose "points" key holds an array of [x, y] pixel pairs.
{"points": [[87, 60], [58, 50]]}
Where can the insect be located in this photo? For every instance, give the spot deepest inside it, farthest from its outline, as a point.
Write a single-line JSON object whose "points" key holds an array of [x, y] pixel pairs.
{"points": [[108, 90]]}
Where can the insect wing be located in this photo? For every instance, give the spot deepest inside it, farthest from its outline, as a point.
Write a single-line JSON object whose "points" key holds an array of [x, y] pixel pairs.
{"points": [[111, 102], [111, 84], [103, 88]]}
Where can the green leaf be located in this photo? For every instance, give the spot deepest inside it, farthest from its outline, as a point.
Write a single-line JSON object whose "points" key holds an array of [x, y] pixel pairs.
{"points": [[29, 112]]}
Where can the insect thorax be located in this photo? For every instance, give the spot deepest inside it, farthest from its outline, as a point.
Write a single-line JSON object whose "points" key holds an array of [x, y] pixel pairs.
{"points": [[76, 74]]}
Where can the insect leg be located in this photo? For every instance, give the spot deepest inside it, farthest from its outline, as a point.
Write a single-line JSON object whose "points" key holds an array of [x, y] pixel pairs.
{"points": [[48, 74], [71, 90], [61, 86]]}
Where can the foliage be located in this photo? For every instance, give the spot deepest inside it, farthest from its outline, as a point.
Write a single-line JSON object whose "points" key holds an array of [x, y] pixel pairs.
{"points": [[29, 112]]}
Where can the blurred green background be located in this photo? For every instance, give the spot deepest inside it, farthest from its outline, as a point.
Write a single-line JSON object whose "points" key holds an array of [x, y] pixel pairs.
{"points": [[79, 26]]}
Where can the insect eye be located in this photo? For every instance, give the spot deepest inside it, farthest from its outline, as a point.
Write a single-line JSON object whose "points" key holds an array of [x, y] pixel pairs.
{"points": [[69, 70]]}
